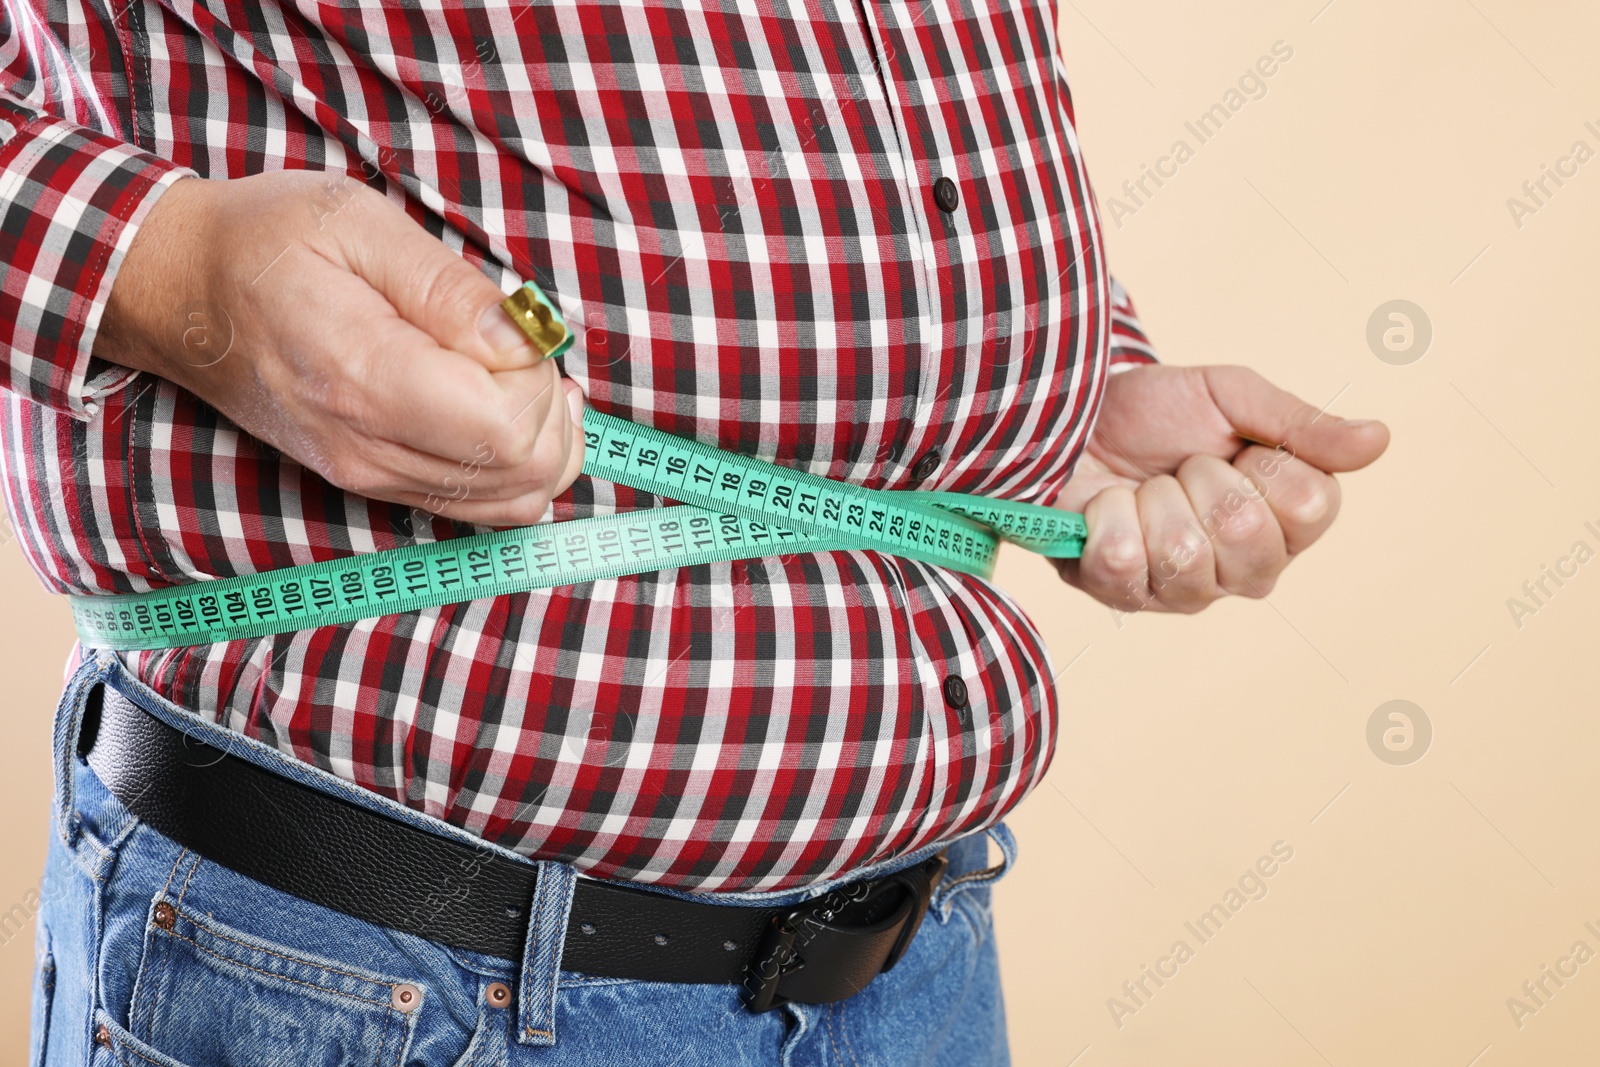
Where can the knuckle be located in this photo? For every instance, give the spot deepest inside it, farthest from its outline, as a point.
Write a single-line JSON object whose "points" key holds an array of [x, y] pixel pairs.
{"points": [[453, 285], [1259, 586], [343, 399], [1181, 551], [1241, 525], [1121, 556], [1312, 503], [1187, 601], [514, 443]]}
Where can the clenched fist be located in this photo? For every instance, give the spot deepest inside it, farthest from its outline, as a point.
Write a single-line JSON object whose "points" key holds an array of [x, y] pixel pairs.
{"points": [[355, 342], [1199, 482]]}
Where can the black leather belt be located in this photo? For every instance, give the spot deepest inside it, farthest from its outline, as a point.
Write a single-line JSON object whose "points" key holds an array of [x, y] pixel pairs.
{"points": [[336, 854]]}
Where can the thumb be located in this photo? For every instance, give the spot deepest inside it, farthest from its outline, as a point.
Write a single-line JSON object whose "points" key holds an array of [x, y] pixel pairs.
{"points": [[1259, 411], [433, 288]]}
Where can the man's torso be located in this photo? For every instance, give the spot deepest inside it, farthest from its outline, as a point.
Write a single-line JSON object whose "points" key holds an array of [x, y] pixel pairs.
{"points": [[741, 210]]}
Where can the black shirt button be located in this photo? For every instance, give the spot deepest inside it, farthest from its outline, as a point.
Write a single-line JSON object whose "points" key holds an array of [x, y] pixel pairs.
{"points": [[926, 466], [946, 195], [955, 692]]}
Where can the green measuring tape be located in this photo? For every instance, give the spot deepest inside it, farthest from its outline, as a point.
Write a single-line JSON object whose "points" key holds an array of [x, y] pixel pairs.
{"points": [[735, 507]]}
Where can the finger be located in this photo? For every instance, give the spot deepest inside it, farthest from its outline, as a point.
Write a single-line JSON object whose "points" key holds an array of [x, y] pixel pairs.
{"points": [[381, 376], [1260, 411], [554, 446], [497, 446], [438, 402], [528, 399], [523, 510], [1112, 568], [527, 442], [429, 285], [1182, 566], [1243, 532], [1304, 500], [384, 470], [575, 457]]}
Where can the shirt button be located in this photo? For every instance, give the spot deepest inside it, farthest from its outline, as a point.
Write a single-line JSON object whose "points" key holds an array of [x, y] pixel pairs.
{"points": [[955, 692], [946, 195], [926, 466]]}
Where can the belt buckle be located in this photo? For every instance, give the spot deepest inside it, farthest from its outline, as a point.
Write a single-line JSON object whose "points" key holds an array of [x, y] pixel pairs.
{"points": [[777, 950], [921, 894], [778, 955]]}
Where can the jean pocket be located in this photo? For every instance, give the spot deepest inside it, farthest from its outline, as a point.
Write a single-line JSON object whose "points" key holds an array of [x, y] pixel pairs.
{"points": [[209, 994], [970, 886]]}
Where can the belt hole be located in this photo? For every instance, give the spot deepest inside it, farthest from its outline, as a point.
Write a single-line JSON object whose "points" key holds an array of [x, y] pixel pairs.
{"points": [[587, 928], [729, 946], [661, 939]]}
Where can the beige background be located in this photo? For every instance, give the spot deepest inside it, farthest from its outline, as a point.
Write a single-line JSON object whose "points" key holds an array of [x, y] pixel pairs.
{"points": [[1419, 897]]}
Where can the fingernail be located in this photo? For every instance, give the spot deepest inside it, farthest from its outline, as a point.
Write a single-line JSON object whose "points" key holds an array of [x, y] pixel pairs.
{"points": [[502, 335], [1355, 424], [575, 403]]}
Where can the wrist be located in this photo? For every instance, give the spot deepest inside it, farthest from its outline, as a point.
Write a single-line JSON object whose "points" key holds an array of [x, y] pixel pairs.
{"points": [[162, 279]]}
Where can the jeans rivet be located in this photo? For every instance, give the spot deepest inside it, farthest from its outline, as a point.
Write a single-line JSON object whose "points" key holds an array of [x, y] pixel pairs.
{"points": [[166, 916], [102, 1036], [405, 997], [499, 994]]}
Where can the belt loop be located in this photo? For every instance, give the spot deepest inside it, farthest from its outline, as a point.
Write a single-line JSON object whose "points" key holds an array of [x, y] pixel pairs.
{"points": [[541, 953], [89, 674], [1000, 834]]}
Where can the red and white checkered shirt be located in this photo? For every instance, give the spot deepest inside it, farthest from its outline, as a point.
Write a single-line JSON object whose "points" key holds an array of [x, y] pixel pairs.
{"points": [[737, 204]]}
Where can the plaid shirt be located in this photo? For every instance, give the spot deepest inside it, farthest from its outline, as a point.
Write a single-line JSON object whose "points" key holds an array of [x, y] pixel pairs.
{"points": [[748, 210]]}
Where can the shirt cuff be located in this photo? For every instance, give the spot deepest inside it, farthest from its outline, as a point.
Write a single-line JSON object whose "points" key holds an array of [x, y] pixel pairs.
{"points": [[1129, 346], [71, 201]]}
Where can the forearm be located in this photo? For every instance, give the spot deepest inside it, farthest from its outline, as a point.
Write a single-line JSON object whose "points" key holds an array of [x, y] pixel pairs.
{"points": [[74, 201]]}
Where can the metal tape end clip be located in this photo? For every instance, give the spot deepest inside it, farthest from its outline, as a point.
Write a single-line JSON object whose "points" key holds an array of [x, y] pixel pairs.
{"points": [[537, 317]]}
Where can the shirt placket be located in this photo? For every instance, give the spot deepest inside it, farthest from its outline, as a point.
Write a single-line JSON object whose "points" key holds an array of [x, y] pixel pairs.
{"points": [[945, 662]]}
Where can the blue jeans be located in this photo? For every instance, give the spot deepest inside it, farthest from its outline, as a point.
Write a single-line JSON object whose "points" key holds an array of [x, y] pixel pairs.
{"points": [[151, 955]]}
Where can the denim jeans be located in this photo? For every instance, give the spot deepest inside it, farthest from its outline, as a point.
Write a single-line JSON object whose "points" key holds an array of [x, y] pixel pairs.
{"points": [[151, 955]]}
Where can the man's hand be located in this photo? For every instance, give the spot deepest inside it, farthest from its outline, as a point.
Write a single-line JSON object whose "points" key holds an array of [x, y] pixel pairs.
{"points": [[321, 319], [1203, 481]]}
